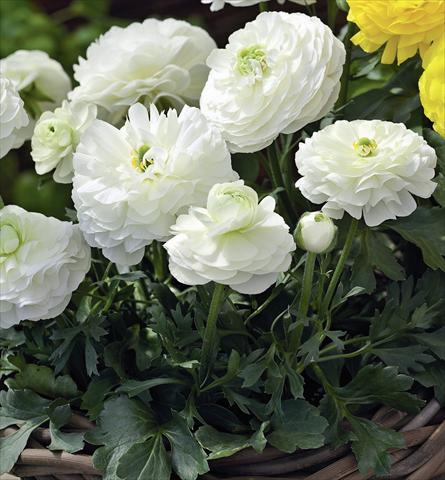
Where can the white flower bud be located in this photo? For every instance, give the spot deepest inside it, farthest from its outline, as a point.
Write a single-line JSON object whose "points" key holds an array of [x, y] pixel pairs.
{"points": [[315, 232], [56, 137]]}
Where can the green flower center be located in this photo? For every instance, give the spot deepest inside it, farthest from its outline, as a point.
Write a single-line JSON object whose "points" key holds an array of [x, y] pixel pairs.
{"points": [[252, 60], [9, 240], [319, 217], [138, 161], [365, 146]]}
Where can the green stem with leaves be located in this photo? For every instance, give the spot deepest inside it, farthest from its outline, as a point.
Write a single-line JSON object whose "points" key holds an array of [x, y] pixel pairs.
{"points": [[339, 268], [305, 298], [209, 344]]}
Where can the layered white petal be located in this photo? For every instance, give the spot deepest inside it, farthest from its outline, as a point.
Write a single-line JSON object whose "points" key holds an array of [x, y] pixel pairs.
{"points": [[248, 255], [144, 61], [379, 186], [277, 74], [13, 117], [42, 261], [130, 184]]}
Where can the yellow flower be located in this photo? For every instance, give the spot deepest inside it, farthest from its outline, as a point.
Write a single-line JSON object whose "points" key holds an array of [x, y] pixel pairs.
{"points": [[432, 85], [405, 26]]}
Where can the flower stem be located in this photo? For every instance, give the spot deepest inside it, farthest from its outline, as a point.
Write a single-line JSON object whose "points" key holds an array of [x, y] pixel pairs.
{"points": [[159, 261], [304, 301], [278, 182], [339, 268], [344, 81], [332, 14], [209, 345], [263, 7]]}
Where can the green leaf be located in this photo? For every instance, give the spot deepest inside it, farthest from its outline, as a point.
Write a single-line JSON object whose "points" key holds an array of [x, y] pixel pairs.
{"points": [[222, 444], [434, 340], [22, 404], [438, 143], [93, 398], [301, 426], [91, 358], [408, 359], [135, 387], [374, 253], [188, 458], [379, 384], [342, 5], [12, 446], [426, 229], [145, 461], [370, 444], [146, 345], [68, 442], [42, 380], [433, 376], [122, 423], [296, 382], [24, 408], [439, 193]]}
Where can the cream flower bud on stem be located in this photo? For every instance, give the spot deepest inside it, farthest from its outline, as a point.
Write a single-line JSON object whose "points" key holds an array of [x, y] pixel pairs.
{"points": [[315, 232], [208, 351]]}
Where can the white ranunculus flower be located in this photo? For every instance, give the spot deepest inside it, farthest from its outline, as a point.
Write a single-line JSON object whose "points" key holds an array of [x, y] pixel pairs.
{"points": [[13, 117], [234, 241], [315, 232], [366, 167], [277, 74], [130, 184], [42, 261], [216, 5], [144, 61], [40, 80], [56, 136]]}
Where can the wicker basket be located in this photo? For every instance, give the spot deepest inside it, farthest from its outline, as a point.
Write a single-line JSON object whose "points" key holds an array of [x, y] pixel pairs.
{"points": [[423, 458]]}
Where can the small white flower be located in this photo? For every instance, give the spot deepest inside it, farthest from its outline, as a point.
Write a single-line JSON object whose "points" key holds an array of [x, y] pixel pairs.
{"points": [[277, 74], [130, 184], [56, 136], [315, 232], [42, 261], [144, 61], [13, 117], [216, 5], [234, 241], [40, 81], [366, 167]]}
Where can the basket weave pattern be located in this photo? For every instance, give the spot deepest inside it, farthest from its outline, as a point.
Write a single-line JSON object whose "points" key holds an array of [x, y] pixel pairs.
{"points": [[423, 457]]}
